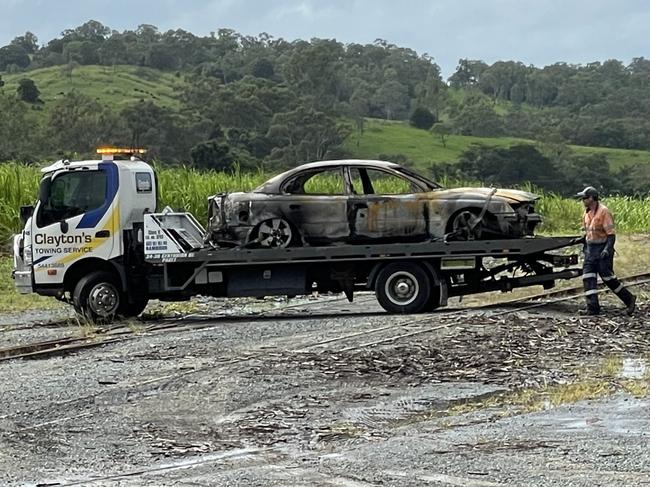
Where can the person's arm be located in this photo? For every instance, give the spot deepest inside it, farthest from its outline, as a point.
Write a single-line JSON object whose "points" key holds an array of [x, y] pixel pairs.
{"points": [[609, 247], [608, 226]]}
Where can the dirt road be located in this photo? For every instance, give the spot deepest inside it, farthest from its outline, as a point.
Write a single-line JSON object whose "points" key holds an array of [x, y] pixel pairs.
{"points": [[327, 393]]}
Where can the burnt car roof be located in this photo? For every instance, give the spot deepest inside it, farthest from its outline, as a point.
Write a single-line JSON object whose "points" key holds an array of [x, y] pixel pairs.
{"points": [[273, 185]]}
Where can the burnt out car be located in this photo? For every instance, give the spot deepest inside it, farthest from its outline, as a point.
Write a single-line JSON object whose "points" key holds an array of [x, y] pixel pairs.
{"points": [[355, 201]]}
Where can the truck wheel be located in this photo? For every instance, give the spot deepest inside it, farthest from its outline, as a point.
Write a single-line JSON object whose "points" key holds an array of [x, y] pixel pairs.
{"points": [[403, 287], [96, 297], [131, 310]]}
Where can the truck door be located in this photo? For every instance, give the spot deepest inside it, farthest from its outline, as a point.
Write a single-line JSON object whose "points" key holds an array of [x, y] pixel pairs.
{"points": [[76, 217]]}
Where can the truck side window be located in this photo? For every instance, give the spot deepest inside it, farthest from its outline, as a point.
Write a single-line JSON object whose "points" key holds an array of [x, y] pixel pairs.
{"points": [[143, 182], [72, 194]]}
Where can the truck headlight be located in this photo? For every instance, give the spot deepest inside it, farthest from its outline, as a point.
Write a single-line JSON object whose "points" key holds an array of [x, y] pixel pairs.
{"points": [[27, 255]]}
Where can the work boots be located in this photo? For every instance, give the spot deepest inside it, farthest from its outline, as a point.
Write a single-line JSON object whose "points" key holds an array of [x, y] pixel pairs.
{"points": [[626, 296], [630, 304]]}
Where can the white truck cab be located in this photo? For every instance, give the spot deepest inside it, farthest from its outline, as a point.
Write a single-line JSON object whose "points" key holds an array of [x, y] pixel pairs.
{"points": [[85, 214]]}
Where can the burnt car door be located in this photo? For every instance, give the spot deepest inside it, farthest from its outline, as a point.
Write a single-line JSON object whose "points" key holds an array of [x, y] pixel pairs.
{"points": [[386, 205], [315, 202]]}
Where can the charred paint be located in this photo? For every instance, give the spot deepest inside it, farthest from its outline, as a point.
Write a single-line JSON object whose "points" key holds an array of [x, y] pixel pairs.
{"points": [[356, 217]]}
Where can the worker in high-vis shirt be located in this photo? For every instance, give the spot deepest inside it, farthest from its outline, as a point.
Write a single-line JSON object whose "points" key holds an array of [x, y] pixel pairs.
{"points": [[599, 240]]}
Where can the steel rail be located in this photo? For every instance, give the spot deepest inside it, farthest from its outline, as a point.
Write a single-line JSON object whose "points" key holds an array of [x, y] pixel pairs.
{"points": [[70, 344]]}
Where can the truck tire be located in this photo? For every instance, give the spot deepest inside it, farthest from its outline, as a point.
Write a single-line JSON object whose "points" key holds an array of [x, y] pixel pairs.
{"points": [[403, 287], [97, 297], [131, 310]]}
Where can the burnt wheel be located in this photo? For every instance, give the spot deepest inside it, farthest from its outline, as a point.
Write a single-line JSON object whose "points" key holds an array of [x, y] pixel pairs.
{"points": [[276, 233], [466, 226], [96, 297], [403, 287]]}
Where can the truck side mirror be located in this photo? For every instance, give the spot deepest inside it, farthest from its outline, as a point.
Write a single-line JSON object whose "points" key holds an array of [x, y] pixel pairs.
{"points": [[25, 213], [44, 189], [64, 226]]}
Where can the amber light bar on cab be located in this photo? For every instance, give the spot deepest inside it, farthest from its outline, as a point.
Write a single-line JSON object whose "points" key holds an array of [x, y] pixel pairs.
{"points": [[121, 150]]}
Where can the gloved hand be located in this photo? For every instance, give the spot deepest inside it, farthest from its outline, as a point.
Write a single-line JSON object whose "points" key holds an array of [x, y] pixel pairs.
{"points": [[608, 251], [579, 240]]}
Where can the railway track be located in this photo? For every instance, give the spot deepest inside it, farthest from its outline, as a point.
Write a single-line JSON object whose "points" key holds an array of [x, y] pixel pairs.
{"points": [[115, 333], [400, 329]]}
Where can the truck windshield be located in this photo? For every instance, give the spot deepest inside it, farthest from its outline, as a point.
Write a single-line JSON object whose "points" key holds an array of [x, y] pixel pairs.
{"points": [[71, 194]]}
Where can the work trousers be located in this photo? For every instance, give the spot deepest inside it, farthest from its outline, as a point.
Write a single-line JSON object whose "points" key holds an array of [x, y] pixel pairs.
{"points": [[595, 266]]}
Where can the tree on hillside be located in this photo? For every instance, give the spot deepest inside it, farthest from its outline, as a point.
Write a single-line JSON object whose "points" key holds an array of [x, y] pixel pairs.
{"points": [[432, 94], [92, 31], [422, 118], [113, 51], [82, 52], [509, 166], [443, 131], [392, 97], [263, 68], [27, 91], [315, 68], [78, 123], [588, 170], [68, 69], [13, 55], [212, 154], [28, 42], [468, 73], [160, 57], [18, 133], [359, 107], [304, 135], [540, 89], [140, 118], [478, 118], [164, 132], [502, 78]]}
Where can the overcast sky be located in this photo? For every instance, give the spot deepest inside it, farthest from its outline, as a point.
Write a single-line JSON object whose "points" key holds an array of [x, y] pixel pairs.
{"points": [[538, 32]]}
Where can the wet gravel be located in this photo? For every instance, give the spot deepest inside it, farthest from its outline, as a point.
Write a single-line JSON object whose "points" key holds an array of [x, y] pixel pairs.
{"points": [[315, 392]]}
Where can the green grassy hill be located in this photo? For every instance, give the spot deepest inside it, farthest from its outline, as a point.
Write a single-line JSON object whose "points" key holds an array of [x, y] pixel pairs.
{"points": [[425, 149], [115, 87], [122, 85]]}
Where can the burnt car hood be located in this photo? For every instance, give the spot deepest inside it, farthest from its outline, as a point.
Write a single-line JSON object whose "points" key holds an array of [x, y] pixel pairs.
{"points": [[510, 195]]}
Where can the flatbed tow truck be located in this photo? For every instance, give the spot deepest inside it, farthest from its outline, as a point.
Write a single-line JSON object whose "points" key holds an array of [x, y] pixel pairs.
{"points": [[95, 240]]}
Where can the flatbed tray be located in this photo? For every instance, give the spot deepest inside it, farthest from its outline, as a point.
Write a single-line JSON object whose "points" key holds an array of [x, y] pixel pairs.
{"points": [[503, 248]]}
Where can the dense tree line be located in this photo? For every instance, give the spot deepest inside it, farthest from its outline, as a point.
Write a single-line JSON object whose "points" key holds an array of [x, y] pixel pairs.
{"points": [[551, 167], [248, 100], [254, 100], [378, 79], [598, 104]]}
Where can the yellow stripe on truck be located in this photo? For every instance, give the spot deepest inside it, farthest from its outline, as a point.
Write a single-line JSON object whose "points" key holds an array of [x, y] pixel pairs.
{"points": [[112, 225]]}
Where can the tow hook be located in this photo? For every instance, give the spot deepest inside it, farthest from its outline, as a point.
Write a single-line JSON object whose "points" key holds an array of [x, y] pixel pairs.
{"points": [[479, 219]]}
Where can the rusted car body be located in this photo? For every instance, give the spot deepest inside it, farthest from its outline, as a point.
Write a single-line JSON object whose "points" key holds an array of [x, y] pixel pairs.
{"points": [[355, 201]]}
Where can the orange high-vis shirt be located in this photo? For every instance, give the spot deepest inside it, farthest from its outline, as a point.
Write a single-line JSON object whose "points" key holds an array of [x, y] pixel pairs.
{"points": [[598, 224]]}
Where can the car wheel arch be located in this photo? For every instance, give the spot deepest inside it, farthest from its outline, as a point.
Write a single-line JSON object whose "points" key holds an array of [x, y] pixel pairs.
{"points": [[474, 209]]}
